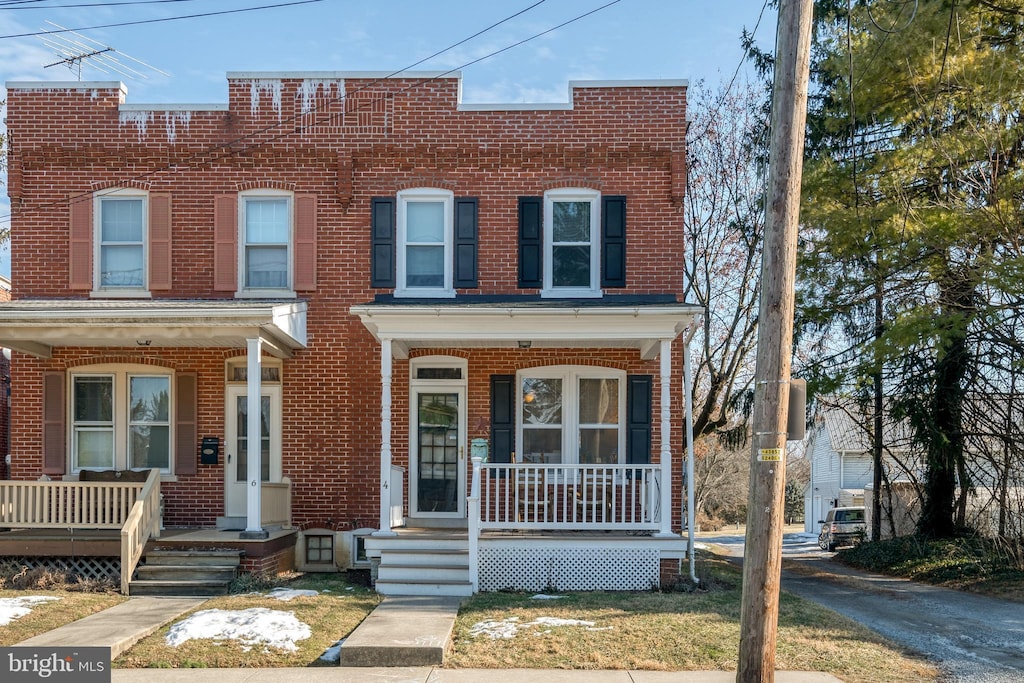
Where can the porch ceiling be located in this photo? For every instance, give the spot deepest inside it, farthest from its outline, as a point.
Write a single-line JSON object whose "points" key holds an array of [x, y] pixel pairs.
{"points": [[37, 326], [534, 325]]}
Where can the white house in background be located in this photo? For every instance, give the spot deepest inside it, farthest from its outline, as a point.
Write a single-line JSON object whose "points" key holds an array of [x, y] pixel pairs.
{"points": [[839, 450]]}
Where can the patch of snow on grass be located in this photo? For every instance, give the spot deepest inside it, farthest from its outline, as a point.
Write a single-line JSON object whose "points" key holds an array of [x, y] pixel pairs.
{"points": [[542, 596], [15, 608], [254, 626], [333, 653], [510, 627], [287, 594]]}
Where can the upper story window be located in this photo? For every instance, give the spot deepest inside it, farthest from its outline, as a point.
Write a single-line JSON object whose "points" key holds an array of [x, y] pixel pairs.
{"points": [[265, 244], [572, 243], [120, 419], [121, 240], [425, 220]]}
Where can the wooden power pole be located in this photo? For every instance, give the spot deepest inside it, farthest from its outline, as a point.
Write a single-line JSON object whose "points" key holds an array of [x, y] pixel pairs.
{"points": [[762, 560]]}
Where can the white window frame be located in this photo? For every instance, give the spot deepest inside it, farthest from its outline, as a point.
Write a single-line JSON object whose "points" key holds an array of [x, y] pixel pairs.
{"points": [[571, 376], [121, 376], [244, 290], [99, 199], [425, 194], [572, 194]]}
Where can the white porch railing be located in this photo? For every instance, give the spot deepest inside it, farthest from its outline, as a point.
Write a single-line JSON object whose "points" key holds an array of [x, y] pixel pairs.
{"points": [[568, 497], [143, 523], [276, 503]]}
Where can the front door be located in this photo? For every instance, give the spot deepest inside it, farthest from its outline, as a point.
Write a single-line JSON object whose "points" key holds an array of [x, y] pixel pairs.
{"points": [[236, 450], [438, 457]]}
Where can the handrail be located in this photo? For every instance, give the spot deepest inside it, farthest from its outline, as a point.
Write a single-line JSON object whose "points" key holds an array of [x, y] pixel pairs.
{"points": [[574, 497], [143, 522]]}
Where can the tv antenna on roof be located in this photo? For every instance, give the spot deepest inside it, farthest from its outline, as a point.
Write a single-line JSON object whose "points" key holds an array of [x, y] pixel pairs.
{"points": [[74, 49]]}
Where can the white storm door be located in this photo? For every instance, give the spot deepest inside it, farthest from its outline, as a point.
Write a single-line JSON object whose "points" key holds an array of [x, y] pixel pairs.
{"points": [[236, 448]]}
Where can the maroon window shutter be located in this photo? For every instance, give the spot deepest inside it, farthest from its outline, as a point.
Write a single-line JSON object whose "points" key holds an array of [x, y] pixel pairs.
{"points": [[225, 243], [186, 428], [160, 241], [80, 243], [54, 431], [304, 278]]}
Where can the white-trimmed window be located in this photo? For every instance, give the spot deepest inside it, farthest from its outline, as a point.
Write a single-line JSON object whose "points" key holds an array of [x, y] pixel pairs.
{"points": [[120, 230], [265, 247], [120, 419], [572, 243], [571, 414], [425, 233]]}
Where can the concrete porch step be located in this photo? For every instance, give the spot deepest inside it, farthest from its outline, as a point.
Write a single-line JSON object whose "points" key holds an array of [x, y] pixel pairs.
{"points": [[426, 587], [424, 556], [419, 572]]}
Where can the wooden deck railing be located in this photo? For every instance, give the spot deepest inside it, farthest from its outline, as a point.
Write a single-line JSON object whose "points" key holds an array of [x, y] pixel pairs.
{"points": [[276, 503], [143, 523], [67, 504]]}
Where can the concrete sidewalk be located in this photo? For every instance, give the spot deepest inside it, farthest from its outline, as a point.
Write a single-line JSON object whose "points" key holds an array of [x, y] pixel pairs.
{"points": [[436, 675], [118, 627], [398, 627]]}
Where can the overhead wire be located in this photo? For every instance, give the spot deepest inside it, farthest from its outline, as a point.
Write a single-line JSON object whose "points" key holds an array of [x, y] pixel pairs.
{"points": [[163, 19], [196, 160]]}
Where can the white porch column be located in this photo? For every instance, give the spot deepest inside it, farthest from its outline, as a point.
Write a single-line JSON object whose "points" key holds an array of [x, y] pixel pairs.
{"points": [[254, 441], [385, 440], [666, 434]]}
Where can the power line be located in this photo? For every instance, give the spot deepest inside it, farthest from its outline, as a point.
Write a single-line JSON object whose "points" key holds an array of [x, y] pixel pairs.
{"points": [[196, 159], [11, 5], [155, 21]]}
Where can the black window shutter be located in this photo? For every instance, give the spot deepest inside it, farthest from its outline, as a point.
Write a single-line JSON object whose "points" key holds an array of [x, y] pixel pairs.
{"points": [[382, 230], [531, 242], [613, 241], [466, 212], [503, 417], [638, 419]]}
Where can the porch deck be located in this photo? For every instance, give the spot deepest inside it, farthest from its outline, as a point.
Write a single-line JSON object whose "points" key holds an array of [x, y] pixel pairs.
{"points": [[106, 543]]}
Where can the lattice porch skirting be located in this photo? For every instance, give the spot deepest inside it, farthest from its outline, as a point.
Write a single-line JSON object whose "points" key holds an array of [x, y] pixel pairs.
{"points": [[86, 567], [568, 568]]}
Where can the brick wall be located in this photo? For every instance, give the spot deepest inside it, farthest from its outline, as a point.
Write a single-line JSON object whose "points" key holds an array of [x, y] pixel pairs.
{"points": [[295, 134]]}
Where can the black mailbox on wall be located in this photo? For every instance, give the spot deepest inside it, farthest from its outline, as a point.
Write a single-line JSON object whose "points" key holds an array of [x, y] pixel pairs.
{"points": [[209, 452]]}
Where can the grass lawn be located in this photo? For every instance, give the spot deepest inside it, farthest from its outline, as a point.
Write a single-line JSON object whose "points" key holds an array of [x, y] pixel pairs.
{"points": [[672, 631], [68, 607], [332, 614]]}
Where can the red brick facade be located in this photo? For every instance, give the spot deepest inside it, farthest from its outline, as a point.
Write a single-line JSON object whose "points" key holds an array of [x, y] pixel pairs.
{"points": [[297, 133]]}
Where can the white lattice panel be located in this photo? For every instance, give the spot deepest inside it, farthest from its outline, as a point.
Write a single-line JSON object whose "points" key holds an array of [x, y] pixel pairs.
{"points": [[537, 569]]}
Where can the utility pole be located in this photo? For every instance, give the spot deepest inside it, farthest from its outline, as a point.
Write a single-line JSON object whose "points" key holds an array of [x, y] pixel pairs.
{"points": [[762, 562]]}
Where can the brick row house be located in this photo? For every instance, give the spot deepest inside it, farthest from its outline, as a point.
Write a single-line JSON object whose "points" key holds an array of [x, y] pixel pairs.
{"points": [[456, 331]]}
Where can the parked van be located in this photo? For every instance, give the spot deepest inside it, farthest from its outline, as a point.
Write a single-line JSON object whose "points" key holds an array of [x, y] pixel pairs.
{"points": [[842, 526]]}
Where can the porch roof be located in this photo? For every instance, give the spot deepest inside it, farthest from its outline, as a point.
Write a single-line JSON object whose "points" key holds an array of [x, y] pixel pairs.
{"points": [[519, 322], [36, 326]]}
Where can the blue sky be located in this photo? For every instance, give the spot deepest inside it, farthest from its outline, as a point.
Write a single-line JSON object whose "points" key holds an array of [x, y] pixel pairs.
{"points": [[691, 39]]}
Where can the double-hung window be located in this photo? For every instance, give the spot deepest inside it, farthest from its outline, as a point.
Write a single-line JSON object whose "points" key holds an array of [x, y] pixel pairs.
{"points": [[572, 415], [572, 243], [121, 420], [120, 231], [265, 256], [425, 243]]}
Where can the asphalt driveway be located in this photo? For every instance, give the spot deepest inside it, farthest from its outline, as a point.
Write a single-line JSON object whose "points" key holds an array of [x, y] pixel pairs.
{"points": [[970, 638]]}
